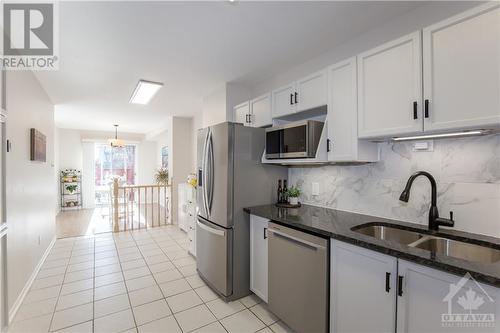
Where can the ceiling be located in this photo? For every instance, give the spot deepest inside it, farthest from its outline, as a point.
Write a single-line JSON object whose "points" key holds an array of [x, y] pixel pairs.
{"points": [[192, 47]]}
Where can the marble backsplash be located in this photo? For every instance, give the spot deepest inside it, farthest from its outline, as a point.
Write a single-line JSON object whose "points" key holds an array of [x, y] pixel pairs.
{"points": [[467, 171]]}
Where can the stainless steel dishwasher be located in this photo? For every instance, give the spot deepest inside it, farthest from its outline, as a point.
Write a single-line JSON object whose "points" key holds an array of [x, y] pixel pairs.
{"points": [[298, 278]]}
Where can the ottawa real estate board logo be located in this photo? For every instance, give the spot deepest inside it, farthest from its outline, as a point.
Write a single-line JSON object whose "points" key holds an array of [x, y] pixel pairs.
{"points": [[30, 35], [469, 306]]}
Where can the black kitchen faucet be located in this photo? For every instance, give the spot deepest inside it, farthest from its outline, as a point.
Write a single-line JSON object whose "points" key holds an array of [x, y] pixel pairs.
{"points": [[434, 220]]}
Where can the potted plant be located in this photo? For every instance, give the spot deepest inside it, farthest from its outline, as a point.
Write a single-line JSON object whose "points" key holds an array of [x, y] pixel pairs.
{"points": [[293, 195], [161, 176], [71, 188]]}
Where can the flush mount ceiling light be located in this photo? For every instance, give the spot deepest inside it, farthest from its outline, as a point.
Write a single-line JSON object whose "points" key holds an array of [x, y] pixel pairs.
{"points": [[116, 143], [144, 91], [439, 136]]}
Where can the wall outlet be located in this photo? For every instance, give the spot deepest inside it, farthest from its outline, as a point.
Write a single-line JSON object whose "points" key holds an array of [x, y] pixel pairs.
{"points": [[315, 188], [39, 240], [423, 145]]}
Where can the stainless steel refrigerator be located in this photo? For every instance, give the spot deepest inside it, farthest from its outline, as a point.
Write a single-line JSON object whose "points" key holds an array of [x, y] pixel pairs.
{"points": [[230, 177]]}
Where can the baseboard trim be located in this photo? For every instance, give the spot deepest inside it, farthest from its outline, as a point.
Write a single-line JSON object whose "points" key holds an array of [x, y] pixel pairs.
{"points": [[27, 286]]}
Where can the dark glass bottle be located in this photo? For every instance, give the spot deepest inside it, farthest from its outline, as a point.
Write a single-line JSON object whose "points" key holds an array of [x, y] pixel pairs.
{"points": [[285, 192], [280, 192]]}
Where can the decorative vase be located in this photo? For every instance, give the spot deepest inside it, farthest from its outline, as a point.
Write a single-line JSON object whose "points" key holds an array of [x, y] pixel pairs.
{"points": [[294, 200]]}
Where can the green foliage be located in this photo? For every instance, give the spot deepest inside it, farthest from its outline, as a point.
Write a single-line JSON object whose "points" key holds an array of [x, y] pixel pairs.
{"points": [[293, 192], [71, 188]]}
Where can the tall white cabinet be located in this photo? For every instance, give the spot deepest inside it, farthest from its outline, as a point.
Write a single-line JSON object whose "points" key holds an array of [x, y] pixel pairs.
{"points": [[390, 88], [461, 59], [343, 143], [258, 256]]}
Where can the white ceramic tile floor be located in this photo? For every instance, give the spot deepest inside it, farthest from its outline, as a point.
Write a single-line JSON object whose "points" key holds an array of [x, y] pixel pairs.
{"points": [[135, 281]]}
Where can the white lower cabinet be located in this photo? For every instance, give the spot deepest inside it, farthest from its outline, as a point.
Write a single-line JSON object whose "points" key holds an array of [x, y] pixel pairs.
{"points": [[429, 300], [258, 256], [363, 290], [373, 292]]}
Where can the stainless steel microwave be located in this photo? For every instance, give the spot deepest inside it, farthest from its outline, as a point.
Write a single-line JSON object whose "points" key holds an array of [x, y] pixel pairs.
{"points": [[293, 140]]}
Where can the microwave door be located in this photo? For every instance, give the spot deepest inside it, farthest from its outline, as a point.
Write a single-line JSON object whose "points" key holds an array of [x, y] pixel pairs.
{"points": [[273, 144], [295, 142]]}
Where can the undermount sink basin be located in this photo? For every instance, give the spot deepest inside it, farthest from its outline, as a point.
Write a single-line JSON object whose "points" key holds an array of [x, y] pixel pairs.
{"points": [[457, 249], [435, 245], [390, 234]]}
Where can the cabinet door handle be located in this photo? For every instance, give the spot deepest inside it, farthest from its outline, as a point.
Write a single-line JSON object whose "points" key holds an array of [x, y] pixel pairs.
{"points": [[426, 109], [328, 145], [265, 233], [415, 110], [291, 99], [296, 95], [400, 285], [387, 281]]}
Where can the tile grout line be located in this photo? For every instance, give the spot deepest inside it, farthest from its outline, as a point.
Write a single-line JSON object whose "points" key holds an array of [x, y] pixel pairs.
{"points": [[124, 282], [60, 290], [93, 293], [154, 278]]}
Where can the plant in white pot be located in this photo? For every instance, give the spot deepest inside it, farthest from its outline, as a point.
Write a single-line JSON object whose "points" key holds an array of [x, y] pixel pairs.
{"points": [[293, 195]]}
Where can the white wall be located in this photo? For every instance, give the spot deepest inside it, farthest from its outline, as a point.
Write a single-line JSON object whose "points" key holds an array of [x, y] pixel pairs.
{"points": [[214, 107], [218, 106], [69, 144], [76, 151], [182, 156], [30, 185], [147, 161]]}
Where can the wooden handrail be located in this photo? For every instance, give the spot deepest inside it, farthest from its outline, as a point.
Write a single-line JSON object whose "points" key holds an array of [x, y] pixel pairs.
{"points": [[126, 197], [144, 186]]}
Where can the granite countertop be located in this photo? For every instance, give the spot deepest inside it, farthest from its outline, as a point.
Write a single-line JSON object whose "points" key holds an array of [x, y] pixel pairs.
{"points": [[337, 224]]}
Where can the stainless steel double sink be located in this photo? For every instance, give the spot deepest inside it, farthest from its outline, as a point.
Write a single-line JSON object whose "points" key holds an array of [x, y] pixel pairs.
{"points": [[437, 245]]}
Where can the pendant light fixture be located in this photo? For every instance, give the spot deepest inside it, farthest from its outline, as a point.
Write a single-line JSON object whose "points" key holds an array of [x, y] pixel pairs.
{"points": [[116, 143]]}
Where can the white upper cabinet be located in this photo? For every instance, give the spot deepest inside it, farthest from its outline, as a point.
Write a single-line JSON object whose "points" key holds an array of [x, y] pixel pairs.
{"points": [[363, 290], [304, 94], [461, 58], [241, 113], [390, 89], [260, 110], [283, 101], [311, 91], [343, 117]]}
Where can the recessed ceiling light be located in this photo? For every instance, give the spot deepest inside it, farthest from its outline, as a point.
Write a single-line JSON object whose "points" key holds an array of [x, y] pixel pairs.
{"points": [[144, 91], [443, 135]]}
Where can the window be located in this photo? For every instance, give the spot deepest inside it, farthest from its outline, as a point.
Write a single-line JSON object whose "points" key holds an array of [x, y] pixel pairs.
{"points": [[111, 162]]}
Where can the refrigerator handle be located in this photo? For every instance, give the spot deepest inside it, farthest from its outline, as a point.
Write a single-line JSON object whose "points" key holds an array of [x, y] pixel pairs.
{"points": [[210, 187], [204, 175]]}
